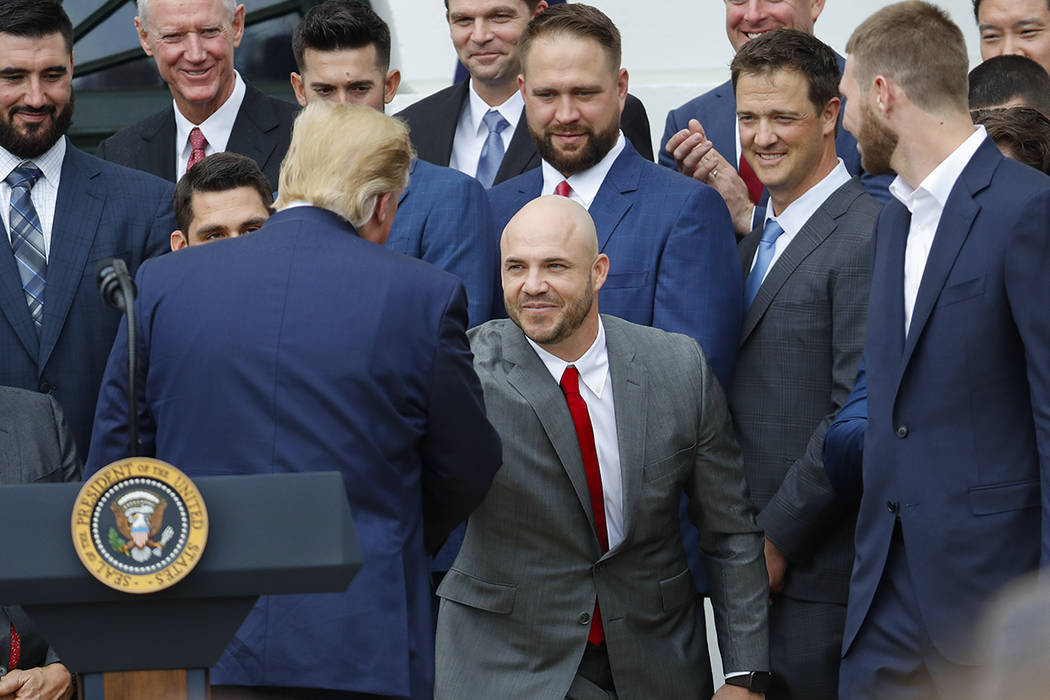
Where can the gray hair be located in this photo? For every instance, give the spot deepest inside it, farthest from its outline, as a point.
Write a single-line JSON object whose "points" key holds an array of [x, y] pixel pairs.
{"points": [[143, 7]]}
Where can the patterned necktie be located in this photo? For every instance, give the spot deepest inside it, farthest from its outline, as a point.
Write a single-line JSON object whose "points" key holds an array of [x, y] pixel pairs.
{"points": [[570, 384], [16, 650], [492, 151], [754, 185], [770, 234], [563, 188], [27, 239], [197, 142]]}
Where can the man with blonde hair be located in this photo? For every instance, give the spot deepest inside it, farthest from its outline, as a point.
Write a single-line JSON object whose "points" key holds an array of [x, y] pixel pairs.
{"points": [[957, 451], [318, 349]]}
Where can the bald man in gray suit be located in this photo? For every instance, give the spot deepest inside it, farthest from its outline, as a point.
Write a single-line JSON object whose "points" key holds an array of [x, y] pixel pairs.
{"points": [[35, 446], [572, 580]]}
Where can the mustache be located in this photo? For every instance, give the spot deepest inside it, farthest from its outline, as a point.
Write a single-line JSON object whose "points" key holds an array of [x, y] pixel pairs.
{"points": [[46, 109], [544, 298]]}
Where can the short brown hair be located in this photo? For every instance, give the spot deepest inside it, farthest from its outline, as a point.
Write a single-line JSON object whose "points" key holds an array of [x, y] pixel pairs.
{"points": [[1022, 130], [531, 4], [577, 20], [919, 47], [790, 49], [218, 172]]}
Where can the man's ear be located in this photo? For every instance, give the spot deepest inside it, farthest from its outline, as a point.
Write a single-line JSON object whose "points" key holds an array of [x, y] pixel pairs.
{"points": [[140, 28], [298, 87], [390, 85], [178, 240], [601, 271]]}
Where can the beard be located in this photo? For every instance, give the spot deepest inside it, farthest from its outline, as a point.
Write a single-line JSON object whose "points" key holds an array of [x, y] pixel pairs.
{"points": [[597, 145], [877, 144], [572, 317], [36, 139]]}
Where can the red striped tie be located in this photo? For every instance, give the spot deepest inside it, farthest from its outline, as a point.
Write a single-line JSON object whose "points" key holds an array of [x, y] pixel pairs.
{"points": [[570, 384]]}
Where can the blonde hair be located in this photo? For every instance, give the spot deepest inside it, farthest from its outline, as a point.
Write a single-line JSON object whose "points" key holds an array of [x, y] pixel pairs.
{"points": [[343, 158]]}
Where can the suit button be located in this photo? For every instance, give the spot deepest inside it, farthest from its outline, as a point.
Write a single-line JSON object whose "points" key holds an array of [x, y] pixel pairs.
{"points": [[892, 506], [584, 618], [45, 388], [902, 431]]}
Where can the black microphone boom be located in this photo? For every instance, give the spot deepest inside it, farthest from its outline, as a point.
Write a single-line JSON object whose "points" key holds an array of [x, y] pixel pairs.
{"points": [[118, 290], [113, 280]]}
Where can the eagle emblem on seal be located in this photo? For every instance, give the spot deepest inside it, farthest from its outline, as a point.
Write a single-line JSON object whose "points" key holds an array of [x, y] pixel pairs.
{"points": [[140, 518]]}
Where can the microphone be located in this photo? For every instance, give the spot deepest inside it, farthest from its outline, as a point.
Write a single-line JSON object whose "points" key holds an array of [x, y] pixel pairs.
{"points": [[113, 279]]}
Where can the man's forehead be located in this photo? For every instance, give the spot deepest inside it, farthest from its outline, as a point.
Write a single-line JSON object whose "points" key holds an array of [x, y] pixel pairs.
{"points": [[477, 7], [177, 12], [356, 64]]}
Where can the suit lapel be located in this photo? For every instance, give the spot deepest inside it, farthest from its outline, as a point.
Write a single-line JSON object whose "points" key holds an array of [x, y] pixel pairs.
{"points": [[521, 154], [13, 299], [611, 203], [158, 157], [77, 214], [530, 377], [721, 130], [814, 232], [255, 122], [956, 221], [629, 383]]}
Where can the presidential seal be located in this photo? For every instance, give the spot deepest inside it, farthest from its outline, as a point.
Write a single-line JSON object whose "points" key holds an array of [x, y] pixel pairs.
{"points": [[139, 525]]}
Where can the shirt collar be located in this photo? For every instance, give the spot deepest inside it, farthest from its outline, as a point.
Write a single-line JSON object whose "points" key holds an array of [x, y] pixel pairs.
{"points": [[939, 183], [593, 365], [510, 110], [218, 127], [586, 184], [50, 163], [795, 216]]}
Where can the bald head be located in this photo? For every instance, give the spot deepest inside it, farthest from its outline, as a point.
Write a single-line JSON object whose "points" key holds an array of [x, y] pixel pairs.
{"points": [[551, 271]]}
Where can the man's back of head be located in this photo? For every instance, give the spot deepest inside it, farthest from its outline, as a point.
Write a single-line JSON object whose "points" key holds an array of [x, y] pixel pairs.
{"points": [[1010, 81], [1021, 133]]}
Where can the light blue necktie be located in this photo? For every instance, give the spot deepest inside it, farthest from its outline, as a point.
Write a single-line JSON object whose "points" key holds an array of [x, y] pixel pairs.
{"points": [[763, 257], [27, 239], [492, 151]]}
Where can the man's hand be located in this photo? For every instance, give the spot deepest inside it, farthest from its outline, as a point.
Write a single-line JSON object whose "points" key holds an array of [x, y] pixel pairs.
{"points": [[51, 682], [735, 692], [776, 566], [696, 157]]}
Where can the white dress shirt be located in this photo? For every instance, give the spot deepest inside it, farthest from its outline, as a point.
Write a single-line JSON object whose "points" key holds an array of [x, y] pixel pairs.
{"points": [[44, 194], [596, 390], [926, 203], [585, 185], [795, 216], [216, 128], [471, 132]]}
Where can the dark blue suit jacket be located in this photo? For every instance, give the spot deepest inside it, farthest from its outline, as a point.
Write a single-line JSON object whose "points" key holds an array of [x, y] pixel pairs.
{"points": [[959, 426], [304, 347], [103, 211], [672, 253], [443, 217], [716, 112], [844, 441]]}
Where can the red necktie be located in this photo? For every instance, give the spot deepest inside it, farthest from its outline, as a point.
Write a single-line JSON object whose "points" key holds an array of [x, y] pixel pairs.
{"points": [[754, 185], [563, 188], [570, 384], [197, 142], [16, 649]]}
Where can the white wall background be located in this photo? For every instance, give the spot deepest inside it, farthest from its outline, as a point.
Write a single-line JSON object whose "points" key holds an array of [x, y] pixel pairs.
{"points": [[672, 49]]}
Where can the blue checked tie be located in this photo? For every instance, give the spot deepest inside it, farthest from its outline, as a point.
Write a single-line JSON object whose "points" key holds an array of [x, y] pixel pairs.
{"points": [[770, 234], [27, 239], [492, 151]]}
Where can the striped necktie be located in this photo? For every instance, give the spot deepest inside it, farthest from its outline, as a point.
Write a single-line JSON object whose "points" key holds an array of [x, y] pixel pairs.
{"points": [[27, 239]]}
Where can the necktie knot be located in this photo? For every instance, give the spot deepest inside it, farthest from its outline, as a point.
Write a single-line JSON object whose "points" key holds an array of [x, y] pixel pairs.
{"points": [[495, 121], [570, 381], [197, 140], [563, 188], [771, 232], [25, 175]]}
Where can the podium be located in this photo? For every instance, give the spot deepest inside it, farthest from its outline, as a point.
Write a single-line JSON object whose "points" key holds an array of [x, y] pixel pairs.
{"points": [[278, 533]]}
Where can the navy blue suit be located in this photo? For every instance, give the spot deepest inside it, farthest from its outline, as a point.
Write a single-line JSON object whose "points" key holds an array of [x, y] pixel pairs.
{"points": [[958, 440], [672, 253], [716, 112], [343, 355], [443, 217], [844, 441], [103, 211]]}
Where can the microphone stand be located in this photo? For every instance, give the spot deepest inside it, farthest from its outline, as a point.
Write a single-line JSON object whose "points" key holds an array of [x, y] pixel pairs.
{"points": [[118, 291]]}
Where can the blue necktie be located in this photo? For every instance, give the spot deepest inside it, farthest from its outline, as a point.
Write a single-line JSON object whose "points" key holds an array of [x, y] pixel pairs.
{"points": [[492, 151], [763, 257], [27, 239]]}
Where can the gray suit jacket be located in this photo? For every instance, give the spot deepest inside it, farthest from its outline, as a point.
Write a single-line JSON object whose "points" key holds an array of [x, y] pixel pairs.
{"points": [[516, 605], [35, 446], [798, 355]]}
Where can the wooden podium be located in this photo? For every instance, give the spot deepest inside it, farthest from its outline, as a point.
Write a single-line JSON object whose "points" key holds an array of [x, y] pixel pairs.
{"points": [[280, 533]]}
